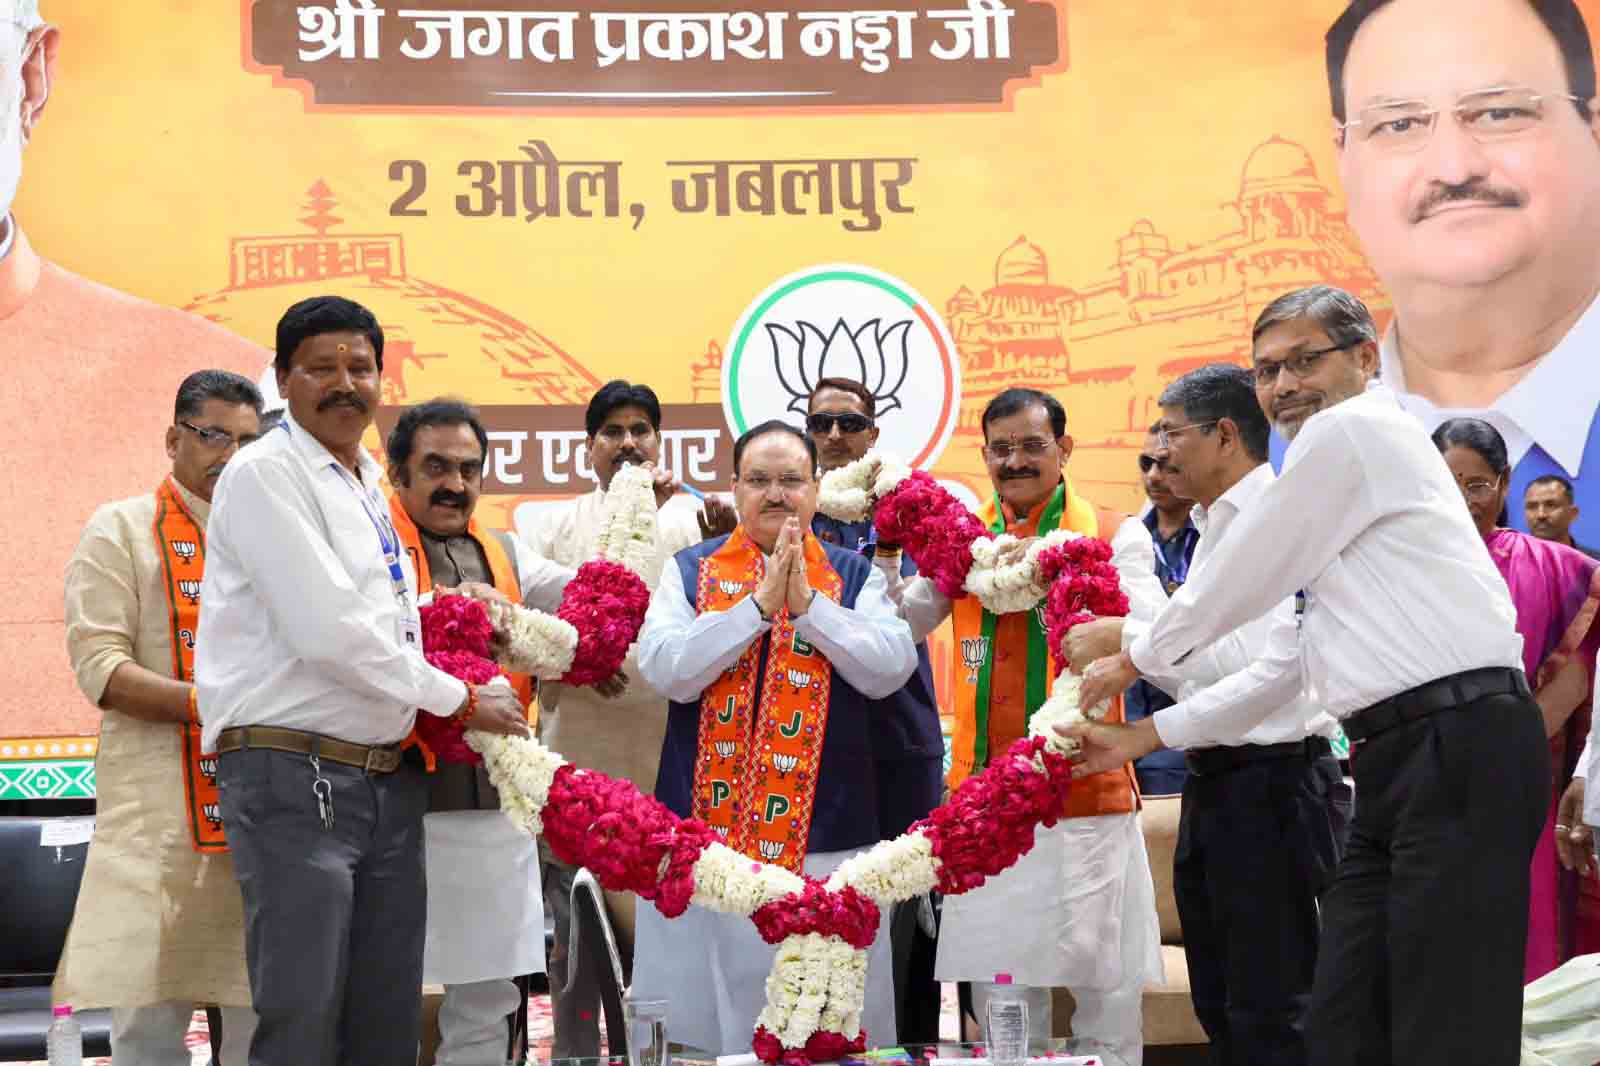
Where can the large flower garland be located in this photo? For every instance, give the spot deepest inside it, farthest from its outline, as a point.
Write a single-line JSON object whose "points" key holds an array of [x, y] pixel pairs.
{"points": [[631, 842], [584, 642]]}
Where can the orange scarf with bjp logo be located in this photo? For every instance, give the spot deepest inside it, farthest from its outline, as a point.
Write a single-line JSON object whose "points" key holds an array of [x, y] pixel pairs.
{"points": [[762, 722], [182, 547]]}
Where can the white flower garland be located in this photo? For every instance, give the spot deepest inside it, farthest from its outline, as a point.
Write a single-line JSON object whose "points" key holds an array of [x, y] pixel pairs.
{"points": [[725, 880], [1064, 708], [532, 642], [849, 492], [890, 871], [628, 523], [521, 770], [1011, 587], [817, 983]]}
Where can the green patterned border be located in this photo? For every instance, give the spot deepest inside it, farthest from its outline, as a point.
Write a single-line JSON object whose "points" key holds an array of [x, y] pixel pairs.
{"points": [[39, 779]]}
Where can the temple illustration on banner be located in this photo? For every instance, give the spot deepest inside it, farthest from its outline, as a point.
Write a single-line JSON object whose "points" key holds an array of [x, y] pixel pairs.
{"points": [[1107, 346], [423, 322]]}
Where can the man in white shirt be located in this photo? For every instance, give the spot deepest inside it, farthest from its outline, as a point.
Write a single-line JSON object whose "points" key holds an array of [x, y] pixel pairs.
{"points": [[1258, 841], [615, 727], [1469, 151], [1409, 638], [766, 636], [436, 452], [309, 673]]}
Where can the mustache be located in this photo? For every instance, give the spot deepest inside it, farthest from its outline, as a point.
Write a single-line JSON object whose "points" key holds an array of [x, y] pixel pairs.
{"points": [[1474, 190], [1296, 405], [631, 456], [342, 399], [1009, 474], [446, 498]]}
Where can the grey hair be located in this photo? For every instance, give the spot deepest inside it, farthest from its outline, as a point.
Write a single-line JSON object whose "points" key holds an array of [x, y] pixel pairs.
{"points": [[1343, 317]]}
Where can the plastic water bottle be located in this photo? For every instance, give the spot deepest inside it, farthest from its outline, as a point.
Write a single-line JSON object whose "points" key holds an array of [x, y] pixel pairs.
{"points": [[65, 1038], [1007, 1022]]}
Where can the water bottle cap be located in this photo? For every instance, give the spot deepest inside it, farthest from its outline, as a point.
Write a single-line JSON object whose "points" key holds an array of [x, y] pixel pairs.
{"points": [[63, 1011], [1002, 979]]}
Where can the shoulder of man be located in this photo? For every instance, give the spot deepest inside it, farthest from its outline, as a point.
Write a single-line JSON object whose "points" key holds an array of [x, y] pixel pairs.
{"points": [[122, 519]]}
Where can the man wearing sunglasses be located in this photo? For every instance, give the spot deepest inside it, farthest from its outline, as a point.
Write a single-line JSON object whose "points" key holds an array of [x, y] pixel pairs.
{"points": [[1469, 151], [159, 923], [907, 744]]}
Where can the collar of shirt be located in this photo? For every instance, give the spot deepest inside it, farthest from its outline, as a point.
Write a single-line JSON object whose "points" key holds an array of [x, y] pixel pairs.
{"points": [[1240, 495], [1152, 522], [1527, 413], [315, 456]]}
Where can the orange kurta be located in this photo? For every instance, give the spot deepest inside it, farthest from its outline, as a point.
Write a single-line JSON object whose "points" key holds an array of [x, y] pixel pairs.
{"points": [[89, 377]]}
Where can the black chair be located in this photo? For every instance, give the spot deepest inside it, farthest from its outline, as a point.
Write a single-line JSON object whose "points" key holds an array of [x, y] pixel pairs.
{"points": [[37, 893], [594, 945]]}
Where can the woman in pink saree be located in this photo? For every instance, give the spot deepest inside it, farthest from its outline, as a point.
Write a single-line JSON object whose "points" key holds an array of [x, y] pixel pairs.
{"points": [[1556, 591]]}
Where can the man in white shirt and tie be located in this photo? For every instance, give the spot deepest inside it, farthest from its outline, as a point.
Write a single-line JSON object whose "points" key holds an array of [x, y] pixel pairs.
{"points": [[1409, 638], [1259, 836], [309, 673]]}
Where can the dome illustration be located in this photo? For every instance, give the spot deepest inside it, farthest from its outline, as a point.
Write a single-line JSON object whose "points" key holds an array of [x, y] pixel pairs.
{"points": [[1279, 166]]}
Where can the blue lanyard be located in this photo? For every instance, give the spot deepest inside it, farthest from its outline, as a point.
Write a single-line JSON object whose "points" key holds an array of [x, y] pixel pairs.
{"points": [[388, 539]]}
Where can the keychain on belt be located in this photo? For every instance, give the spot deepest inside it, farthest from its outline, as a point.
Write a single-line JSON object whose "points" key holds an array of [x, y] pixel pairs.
{"points": [[324, 793]]}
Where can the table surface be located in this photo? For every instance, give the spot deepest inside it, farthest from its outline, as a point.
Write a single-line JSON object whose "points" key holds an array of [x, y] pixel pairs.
{"points": [[1064, 1052]]}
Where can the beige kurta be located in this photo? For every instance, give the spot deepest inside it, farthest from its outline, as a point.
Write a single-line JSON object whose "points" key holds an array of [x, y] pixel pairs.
{"points": [[620, 737], [156, 920]]}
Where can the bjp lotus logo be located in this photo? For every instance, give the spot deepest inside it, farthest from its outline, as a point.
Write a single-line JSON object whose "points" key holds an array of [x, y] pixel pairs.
{"points": [[771, 850], [724, 748], [731, 588], [190, 589], [871, 353], [846, 321], [213, 813], [784, 763], [186, 550]]}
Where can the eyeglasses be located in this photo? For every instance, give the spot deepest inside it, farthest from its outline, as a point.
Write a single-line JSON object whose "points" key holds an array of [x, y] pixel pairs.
{"points": [[1487, 115], [1164, 434], [1150, 462], [1299, 364], [822, 424], [1479, 488], [217, 438], [787, 484], [1034, 448]]}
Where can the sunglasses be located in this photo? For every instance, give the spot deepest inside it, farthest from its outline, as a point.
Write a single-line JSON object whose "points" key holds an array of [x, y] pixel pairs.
{"points": [[822, 424]]}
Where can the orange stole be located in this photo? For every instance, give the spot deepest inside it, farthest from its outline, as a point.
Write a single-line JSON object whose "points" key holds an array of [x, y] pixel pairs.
{"points": [[755, 776], [1113, 792], [500, 568], [182, 547]]}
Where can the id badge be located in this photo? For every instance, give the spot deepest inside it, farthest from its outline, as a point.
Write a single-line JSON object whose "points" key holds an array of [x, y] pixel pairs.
{"points": [[408, 630]]}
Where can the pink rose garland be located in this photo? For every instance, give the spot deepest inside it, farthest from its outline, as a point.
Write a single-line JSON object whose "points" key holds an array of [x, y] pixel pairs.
{"points": [[605, 602], [1083, 587], [934, 528]]}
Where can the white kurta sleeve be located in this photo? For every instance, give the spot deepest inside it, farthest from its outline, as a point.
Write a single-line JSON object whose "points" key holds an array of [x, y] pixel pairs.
{"points": [[868, 644], [681, 652], [1134, 556], [543, 581], [920, 603]]}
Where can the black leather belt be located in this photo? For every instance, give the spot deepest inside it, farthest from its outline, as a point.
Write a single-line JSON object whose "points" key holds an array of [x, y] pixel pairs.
{"points": [[1208, 762], [1445, 694]]}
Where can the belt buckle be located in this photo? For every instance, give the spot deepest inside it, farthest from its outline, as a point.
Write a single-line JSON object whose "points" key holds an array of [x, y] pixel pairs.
{"points": [[371, 765]]}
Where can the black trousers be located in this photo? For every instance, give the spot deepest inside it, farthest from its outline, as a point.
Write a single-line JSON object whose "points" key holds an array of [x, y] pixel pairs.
{"points": [[1257, 845], [1425, 927], [334, 918]]}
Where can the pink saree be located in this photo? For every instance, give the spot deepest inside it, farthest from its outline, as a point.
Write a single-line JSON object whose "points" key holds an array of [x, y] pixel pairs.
{"points": [[1556, 591]]}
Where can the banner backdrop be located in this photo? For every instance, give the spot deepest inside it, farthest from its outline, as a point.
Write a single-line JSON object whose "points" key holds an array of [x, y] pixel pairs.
{"points": [[1084, 196]]}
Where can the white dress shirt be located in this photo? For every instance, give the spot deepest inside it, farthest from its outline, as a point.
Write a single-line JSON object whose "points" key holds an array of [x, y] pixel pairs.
{"points": [[1553, 406], [1133, 555], [1368, 521], [302, 625], [1244, 688], [682, 651]]}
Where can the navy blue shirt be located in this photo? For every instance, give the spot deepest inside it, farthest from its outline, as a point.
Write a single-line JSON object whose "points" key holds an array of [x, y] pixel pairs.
{"points": [[907, 744], [1160, 771]]}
